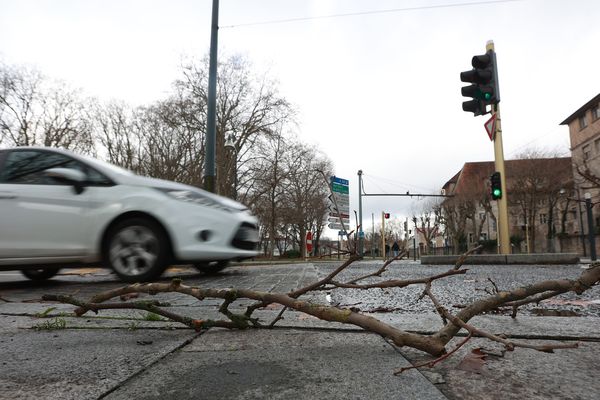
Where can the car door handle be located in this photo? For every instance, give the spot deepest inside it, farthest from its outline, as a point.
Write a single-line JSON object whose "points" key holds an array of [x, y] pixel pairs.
{"points": [[8, 195]]}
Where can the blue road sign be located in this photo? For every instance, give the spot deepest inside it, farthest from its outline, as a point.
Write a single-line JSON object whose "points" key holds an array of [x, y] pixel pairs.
{"points": [[341, 181]]}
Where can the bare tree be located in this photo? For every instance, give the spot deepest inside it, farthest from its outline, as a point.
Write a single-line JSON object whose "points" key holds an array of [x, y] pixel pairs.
{"points": [[427, 221], [269, 185], [36, 111], [307, 191], [248, 106], [114, 130], [538, 180]]}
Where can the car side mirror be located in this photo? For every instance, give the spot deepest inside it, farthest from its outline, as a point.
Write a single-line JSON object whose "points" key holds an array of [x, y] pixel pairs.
{"points": [[71, 176]]}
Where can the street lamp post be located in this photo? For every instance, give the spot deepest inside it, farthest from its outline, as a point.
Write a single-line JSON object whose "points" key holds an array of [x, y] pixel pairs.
{"points": [[591, 233], [230, 144]]}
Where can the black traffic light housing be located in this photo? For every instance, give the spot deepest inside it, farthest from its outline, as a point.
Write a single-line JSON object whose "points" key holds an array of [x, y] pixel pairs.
{"points": [[484, 89], [386, 215], [496, 184]]}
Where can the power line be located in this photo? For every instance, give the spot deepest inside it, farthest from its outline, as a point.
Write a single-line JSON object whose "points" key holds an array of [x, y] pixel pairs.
{"points": [[395, 183], [551, 131], [354, 14]]}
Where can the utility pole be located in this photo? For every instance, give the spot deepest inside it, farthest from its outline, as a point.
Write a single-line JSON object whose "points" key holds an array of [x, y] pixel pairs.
{"points": [[503, 233], [373, 235], [590, 220], [361, 233], [383, 234], [211, 126]]}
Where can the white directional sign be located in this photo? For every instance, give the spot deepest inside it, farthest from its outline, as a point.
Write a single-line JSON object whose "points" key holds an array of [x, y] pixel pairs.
{"points": [[339, 204], [337, 220], [340, 198]]}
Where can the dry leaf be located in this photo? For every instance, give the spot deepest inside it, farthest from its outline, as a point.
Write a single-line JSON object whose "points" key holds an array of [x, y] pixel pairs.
{"points": [[473, 362]]}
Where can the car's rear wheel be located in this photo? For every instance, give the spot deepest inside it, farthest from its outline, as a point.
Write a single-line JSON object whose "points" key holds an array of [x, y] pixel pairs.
{"points": [[40, 274], [211, 267], [137, 250]]}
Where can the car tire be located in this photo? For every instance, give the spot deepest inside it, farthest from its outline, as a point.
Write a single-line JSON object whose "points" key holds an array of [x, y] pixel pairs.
{"points": [[40, 274], [211, 267], [136, 250]]}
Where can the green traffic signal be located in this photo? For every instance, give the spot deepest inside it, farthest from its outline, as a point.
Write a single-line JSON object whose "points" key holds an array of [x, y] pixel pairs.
{"points": [[484, 89], [496, 184]]}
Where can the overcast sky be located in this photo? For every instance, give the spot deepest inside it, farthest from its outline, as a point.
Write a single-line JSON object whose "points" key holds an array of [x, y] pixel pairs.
{"points": [[375, 91]]}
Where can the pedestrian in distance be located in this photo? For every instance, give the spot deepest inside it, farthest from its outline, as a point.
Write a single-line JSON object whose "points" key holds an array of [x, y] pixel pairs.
{"points": [[395, 249]]}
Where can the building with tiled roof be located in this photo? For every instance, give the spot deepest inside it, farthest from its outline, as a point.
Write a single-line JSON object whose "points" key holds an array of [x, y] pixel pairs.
{"points": [[541, 213]]}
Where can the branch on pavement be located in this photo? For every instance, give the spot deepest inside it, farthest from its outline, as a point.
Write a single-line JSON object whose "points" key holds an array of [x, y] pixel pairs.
{"points": [[434, 344]]}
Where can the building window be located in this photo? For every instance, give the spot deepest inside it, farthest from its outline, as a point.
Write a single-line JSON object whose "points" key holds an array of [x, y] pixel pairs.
{"points": [[470, 238], [482, 215], [582, 122], [586, 152], [483, 236], [494, 225], [543, 218], [596, 112], [597, 146]]}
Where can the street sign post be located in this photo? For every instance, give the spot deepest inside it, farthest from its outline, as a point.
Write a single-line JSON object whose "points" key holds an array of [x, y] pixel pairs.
{"points": [[309, 245], [490, 127], [339, 204]]}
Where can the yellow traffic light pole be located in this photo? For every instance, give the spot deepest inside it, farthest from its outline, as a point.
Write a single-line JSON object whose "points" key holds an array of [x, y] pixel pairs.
{"points": [[503, 233]]}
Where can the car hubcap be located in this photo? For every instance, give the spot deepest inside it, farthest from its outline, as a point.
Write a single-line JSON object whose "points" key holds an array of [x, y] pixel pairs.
{"points": [[134, 250]]}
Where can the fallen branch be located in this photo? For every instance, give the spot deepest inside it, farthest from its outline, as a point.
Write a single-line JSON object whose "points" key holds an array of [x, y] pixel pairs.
{"points": [[433, 344]]}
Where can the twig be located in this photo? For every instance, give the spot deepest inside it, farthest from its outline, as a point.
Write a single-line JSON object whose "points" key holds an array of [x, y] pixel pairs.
{"points": [[516, 304], [277, 318], [433, 363], [398, 283], [381, 270], [464, 256], [496, 290]]}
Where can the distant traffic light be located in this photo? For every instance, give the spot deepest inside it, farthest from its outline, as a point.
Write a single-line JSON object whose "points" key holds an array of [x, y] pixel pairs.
{"points": [[484, 89], [496, 186], [386, 215]]}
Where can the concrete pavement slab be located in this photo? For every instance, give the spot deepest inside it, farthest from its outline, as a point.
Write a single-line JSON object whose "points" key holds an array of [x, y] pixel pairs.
{"points": [[281, 364], [523, 374], [78, 364]]}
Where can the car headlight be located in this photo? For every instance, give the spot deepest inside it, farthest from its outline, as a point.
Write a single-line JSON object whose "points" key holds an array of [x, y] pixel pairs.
{"points": [[196, 198]]}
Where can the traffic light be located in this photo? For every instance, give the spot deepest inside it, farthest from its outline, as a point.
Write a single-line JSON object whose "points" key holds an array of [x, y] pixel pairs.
{"points": [[484, 87], [386, 215], [496, 186]]}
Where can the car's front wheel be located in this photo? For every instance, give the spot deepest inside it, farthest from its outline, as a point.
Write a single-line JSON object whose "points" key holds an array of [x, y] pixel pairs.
{"points": [[40, 274], [212, 267], [137, 250]]}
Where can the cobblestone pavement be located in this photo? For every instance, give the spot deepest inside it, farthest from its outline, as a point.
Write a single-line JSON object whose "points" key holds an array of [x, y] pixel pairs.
{"points": [[459, 290]]}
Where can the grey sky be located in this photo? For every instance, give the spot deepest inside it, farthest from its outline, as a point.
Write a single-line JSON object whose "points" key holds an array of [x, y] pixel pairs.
{"points": [[377, 92]]}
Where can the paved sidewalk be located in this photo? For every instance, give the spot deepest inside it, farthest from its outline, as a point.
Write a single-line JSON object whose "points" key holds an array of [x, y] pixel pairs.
{"points": [[95, 357], [110, 358]]}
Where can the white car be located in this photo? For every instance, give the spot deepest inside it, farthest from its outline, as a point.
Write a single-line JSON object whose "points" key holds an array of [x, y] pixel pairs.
{"points": [[59, 209]]}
